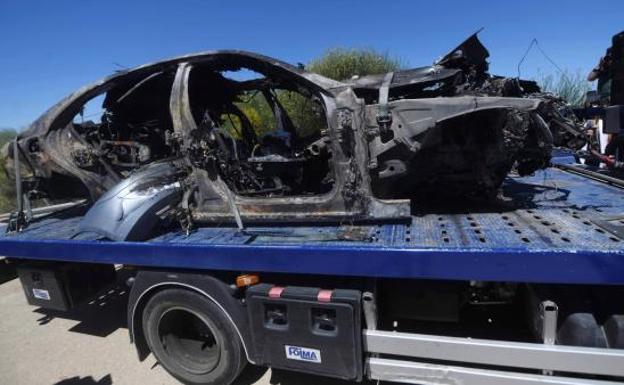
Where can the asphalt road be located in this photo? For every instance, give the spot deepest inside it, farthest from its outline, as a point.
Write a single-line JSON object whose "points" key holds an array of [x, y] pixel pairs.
{"points": [[89, 346]]}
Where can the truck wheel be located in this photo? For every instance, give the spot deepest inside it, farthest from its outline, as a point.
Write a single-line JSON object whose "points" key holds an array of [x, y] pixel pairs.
{"points": [[192, 338]]}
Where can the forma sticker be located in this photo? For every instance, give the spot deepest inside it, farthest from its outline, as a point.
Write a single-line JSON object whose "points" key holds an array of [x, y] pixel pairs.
{"points": [[303, 354], [41, 294]]}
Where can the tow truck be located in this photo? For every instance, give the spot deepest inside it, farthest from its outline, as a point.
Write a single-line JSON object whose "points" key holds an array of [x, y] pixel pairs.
{"points": [[529, 291]]}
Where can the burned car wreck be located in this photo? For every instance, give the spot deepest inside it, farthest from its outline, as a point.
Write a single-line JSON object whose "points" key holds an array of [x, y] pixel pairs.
{"points": [[233, 137]]}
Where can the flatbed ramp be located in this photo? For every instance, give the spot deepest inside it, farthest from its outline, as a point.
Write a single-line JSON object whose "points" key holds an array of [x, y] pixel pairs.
{"points": [[554, 226]]}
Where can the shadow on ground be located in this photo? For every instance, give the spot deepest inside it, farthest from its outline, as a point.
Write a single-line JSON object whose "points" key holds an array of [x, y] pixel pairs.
{"points": [[252, 374], [283, 377], [100, 316], [7, 271], [106, 380]]}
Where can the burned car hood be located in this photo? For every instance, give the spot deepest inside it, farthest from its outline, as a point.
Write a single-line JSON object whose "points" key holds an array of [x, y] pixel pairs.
{"points": [[470, 52], [448, 70], [415, 76]]}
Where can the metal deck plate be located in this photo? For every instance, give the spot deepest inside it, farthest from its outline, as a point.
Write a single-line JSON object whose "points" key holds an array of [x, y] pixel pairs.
{"points": [[551, 230]]}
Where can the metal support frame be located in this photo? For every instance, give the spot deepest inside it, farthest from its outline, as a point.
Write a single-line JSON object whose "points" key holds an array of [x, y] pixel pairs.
{"points": [[369, 306], [384, 117], [38, 212], [490, 353], [18, 177], [549, 313], [592, 174], [17, 220]]}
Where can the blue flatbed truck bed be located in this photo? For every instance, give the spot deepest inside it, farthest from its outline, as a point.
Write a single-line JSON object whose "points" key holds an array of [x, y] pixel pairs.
{"points": [[551, 231], [556, 228]]}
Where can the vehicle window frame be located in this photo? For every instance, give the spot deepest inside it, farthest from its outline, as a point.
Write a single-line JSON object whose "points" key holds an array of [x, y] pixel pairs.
{"points": [[184, 123]]}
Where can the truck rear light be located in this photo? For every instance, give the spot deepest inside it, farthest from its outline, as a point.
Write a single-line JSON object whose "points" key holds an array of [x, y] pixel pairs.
{"points": [[246, 280]]}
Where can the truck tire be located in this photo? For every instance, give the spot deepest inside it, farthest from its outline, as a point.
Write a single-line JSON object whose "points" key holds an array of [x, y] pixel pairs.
{"points": [[192, 338]]}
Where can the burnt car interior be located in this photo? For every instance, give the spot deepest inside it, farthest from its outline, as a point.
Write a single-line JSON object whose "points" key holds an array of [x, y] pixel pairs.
{"points": [[132, 129], [265, 137], [262, 135]]}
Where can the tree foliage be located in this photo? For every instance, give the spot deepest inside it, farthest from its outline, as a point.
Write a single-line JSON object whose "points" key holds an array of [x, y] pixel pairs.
{"points": [[307, 116], [7, 186], [572, 87], [344, 63]]}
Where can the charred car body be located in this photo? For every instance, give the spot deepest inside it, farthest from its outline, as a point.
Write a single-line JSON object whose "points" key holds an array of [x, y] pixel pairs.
{"points": [[183, 139]]}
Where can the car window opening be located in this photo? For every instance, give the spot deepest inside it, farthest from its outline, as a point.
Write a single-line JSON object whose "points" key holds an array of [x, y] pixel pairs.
{"points": [[264, 136]]}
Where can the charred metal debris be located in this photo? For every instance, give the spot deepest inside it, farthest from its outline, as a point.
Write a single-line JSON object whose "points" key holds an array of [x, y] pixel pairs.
{"points": [[236, 137]]}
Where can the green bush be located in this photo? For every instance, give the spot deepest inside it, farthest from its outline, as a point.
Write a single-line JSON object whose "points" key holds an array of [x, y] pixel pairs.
{"points": [[7, 186], [338, 64], [307, 116], [571, 87], [344, 63]]}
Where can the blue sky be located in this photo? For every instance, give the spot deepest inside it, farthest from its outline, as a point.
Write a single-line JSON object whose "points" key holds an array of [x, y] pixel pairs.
{"points": [[50, 48]]}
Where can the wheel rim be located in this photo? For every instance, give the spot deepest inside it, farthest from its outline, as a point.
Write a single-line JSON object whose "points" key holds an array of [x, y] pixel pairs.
{"points": [[188, 339]]}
